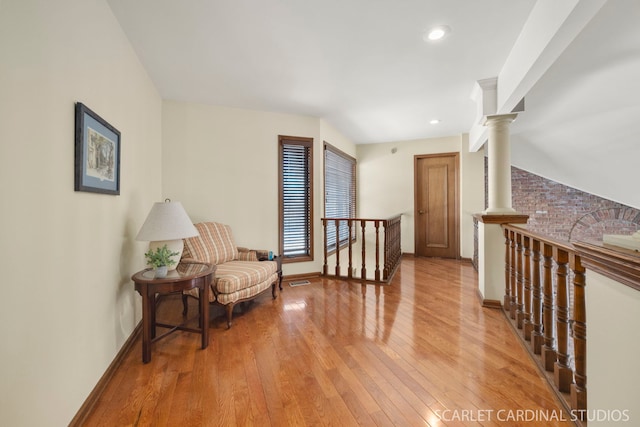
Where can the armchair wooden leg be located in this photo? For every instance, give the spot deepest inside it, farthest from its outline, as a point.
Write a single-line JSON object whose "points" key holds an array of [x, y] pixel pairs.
{"points": [[273, 290], [229, 308]]}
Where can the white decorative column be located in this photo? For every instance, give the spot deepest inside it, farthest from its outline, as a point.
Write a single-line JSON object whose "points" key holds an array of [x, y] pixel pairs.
{"points": [[491, 240], [499, 160]]}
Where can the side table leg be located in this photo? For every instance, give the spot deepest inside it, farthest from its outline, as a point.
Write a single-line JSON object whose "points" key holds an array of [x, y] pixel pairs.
{"points": [[146, 328], [152, 314], [204, 312]]}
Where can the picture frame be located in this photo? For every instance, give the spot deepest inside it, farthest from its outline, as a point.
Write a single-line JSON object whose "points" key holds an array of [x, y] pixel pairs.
{"points": [[97, 153]]}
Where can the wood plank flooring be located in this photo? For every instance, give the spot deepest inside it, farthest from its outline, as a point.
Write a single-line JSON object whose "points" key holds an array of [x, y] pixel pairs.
{"points": [[418, 352]]}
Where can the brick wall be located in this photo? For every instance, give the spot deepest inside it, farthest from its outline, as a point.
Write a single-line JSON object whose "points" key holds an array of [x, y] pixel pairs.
{"points": [[565, 213]]}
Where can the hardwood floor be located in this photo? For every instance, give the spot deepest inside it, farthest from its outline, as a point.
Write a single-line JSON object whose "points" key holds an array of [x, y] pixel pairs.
{"points": [[420, 351]]}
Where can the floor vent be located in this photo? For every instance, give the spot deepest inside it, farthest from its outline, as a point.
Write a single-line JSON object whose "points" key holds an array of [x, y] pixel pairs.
{"points": [[300, 283]]}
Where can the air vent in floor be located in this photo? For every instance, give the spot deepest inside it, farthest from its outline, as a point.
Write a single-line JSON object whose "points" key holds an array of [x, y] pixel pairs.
{"points": [[300, 283]]}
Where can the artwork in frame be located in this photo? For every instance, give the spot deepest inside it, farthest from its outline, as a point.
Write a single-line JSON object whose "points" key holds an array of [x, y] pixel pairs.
{"points": [[97, 158]]}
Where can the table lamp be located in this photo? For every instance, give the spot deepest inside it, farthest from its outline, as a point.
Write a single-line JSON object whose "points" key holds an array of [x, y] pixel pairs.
{"points": [[167, 224]]}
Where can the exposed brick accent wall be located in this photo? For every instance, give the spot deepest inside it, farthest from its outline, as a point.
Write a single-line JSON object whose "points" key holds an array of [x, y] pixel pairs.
{"points": [[565, 213], [562, 212]]}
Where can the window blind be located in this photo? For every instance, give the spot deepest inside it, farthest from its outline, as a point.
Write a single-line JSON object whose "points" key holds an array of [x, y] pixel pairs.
{"points": [[340, 193], [296, 198]]}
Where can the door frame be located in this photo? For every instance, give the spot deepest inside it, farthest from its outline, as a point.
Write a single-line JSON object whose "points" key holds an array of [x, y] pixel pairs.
{"points": [[416, 158]]}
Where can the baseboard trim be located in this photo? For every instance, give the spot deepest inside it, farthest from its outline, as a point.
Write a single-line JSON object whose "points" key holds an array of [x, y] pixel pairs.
{"points": [[294, 277], [492, 303], [97, 391], [488, 303]]}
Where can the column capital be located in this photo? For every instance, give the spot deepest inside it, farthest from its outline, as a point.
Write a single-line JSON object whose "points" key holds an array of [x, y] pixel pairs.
{"points": [[499, 118]]}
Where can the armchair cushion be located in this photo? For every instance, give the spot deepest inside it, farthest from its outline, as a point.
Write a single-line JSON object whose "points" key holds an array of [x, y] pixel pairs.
{"points": [[233, 276], [214, 245]]}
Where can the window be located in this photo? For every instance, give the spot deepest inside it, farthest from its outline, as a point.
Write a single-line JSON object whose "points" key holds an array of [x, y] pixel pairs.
{"points": [[339, 193], [296, 198]]}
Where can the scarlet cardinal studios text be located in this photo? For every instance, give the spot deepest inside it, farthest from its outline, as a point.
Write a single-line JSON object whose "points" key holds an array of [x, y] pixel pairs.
{"points": [[533, 415]]}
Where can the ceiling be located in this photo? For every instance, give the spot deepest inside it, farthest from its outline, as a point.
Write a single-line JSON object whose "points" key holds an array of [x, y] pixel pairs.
{"points": [[360, 64], [364, 67], [581, 126]]}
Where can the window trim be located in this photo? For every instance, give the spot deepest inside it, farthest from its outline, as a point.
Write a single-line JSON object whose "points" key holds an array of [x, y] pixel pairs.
{"points": [[353, 161], [306, 142]]}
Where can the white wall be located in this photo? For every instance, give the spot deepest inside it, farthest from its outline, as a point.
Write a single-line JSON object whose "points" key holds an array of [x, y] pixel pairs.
{"points": [[68, 304], [613, 348], [222, 164], [471, 193], [386, 184]]}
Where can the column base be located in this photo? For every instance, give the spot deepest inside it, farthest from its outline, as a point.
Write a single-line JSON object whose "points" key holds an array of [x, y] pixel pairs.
{"points": [[499, 211]]}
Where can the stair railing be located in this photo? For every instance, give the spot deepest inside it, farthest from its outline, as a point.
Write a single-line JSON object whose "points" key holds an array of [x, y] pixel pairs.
{"points": [[545, 299], [365, 242]]}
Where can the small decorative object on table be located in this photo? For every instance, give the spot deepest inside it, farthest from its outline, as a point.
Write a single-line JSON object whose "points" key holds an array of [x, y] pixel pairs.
{"points": [[160, 260]]}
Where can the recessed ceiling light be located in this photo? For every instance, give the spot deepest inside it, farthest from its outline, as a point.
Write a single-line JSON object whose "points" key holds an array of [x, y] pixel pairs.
{"points": [[434, 121], [437, 33]]}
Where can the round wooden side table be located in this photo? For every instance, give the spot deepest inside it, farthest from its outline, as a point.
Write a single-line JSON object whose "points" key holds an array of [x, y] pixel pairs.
{"points": [[185, 276]]}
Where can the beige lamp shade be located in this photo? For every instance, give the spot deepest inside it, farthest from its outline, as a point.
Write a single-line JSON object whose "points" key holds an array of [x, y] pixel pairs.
{"points": [[167, 224]]}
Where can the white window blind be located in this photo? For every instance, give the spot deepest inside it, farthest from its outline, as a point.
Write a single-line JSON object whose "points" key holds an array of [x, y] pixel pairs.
{"points": [[339, 193], [296, 198]]}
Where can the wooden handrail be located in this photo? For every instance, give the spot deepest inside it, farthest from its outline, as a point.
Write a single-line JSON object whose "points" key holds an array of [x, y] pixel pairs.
{"points": [[547, 307], [390, 249]]}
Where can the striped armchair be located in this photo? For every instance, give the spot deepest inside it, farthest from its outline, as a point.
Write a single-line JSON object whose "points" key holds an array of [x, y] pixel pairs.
{"points": [[241, 274]]}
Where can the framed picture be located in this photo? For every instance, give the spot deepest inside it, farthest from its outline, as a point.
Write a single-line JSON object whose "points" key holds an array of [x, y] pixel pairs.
{"points": [[97, 159]]}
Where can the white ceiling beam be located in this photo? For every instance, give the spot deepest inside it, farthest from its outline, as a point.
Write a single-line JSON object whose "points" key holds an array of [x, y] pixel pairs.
{"points": [[550, 28]]}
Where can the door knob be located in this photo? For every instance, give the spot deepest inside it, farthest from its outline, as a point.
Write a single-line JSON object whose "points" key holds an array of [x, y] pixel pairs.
{"points": [[420, 212]]}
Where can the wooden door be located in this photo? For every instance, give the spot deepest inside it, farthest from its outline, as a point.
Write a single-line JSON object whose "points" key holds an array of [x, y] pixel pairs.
{"points": [[436, 205]]}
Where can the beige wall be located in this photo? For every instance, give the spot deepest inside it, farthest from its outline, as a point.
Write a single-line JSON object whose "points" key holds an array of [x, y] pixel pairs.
{"points": [[331, 135], [386, 183], [222, 164], [68, 304], [613, 346]]}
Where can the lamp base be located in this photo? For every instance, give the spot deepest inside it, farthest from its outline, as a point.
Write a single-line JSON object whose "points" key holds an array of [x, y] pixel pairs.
{"points": [[174, 246]]}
